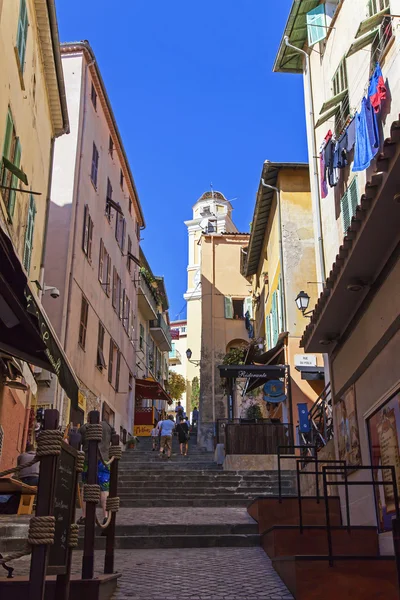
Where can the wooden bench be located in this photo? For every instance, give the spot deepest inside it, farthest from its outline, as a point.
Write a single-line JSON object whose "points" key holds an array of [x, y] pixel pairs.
{"points": [[8, 485]]}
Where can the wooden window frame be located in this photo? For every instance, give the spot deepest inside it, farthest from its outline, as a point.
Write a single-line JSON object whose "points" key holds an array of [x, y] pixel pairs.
{"points": [[112, 347], [87, 237], [101, 362], [30, 227], [22, 35]]}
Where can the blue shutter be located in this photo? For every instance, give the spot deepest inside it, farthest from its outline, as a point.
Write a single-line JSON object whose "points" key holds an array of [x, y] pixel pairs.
{"points": [[280, 307], [14, 178], [22, 33], [316, 25], [248, 306], [30, 224]]}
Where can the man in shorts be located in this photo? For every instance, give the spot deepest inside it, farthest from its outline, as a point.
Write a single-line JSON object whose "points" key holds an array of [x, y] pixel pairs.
{"points": [[167, 427]]}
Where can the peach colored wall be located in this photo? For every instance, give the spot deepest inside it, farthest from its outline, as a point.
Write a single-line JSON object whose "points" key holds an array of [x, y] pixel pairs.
{"points": [[13, 407], [73, 184]]}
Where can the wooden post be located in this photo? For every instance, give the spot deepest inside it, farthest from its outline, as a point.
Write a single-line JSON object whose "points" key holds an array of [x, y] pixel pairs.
{"points": [[90, 520], [44, 507], [110, 542], [63, 581]]}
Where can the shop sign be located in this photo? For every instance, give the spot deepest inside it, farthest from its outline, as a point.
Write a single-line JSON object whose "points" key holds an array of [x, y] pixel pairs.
{"points": [[142, 430]]}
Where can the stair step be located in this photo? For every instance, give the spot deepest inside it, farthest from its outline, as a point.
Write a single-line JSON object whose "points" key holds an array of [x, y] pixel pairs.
{"points": [[179, 541]]}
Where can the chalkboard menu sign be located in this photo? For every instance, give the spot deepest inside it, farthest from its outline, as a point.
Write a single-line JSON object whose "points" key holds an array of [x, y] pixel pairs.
{"points": [[64, 501]]}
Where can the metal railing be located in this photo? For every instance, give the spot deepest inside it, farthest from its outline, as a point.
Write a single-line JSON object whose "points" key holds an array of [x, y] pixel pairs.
{"points": [[321, 421], [175, 355], [160, 323]]}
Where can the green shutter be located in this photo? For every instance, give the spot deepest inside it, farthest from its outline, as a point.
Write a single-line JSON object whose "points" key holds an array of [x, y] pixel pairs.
{"points": [[14, 179], [268, 331], [8, 135], [228, 307], [280, 307], [30, 224], [316, 25], [274, 311], [348, 204], [22, 33], [248, 306]]}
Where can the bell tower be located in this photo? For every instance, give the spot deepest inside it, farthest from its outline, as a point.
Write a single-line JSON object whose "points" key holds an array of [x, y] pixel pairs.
{"points": [[212, 214]]}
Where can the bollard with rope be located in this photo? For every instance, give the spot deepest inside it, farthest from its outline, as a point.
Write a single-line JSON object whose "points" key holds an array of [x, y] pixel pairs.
{"points": [[42, 526], [112, 504], [91, 493]]}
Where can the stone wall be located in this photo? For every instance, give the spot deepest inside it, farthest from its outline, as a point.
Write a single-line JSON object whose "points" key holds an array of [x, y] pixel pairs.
{"points": [[308, 482]]}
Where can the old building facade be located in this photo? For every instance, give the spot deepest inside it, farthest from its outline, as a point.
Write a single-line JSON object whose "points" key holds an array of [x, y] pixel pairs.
{"points": [[355, 74], [92, 253]]}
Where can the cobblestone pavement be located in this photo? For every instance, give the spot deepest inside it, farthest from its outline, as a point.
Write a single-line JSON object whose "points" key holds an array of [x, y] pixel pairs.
{"points": [[191, 573]]}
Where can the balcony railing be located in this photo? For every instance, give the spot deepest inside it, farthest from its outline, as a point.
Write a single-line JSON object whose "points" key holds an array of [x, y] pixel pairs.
{"points": [[160, 324], [175, 355]]}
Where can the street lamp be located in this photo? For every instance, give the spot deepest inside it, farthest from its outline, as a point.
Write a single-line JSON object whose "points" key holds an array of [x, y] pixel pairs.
{"points": [[189, 356], [302, 301]]}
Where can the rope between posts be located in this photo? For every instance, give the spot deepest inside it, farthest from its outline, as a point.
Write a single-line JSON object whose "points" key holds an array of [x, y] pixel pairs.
{"points": [[80, 461], [112, 505], [49, 444], [41, 532]]}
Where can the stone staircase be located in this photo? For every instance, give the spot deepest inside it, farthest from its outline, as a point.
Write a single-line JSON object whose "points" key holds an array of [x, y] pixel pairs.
{"points": [[147, 480]]}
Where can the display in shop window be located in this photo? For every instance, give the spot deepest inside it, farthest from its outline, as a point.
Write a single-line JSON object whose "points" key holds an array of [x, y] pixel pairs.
{"points": [[349, 437], [384, 434]]}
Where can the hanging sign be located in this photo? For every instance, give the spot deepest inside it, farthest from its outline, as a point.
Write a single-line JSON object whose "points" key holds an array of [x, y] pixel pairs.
{"points": [[274, 391]]}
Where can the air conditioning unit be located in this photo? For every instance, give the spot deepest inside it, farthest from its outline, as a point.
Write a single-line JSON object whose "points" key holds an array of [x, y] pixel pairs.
{"points": [[44, 377]]}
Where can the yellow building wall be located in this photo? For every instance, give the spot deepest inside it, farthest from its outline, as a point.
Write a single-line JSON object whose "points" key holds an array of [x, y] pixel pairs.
{"points": [[299, 272], [28, 101]]}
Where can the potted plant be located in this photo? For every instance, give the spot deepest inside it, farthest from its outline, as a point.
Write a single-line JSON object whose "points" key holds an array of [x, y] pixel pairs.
{"points": [[132, 441]]}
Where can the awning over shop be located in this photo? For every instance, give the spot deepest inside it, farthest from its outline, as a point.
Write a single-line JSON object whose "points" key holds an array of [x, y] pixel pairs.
{"points": [[146, 389], [274, 356], [25, 331], [311, 373], [256, 375]]}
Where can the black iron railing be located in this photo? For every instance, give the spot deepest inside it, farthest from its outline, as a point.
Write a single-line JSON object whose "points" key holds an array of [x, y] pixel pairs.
{"points": [[321, 421]]}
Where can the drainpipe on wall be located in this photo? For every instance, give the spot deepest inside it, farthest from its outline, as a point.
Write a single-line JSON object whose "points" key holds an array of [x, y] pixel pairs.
{"points": [[313, 159], [212, 335], [278, 199]]}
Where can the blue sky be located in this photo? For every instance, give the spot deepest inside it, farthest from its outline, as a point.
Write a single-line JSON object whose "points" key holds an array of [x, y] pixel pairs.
{"points": [[196, 102]]}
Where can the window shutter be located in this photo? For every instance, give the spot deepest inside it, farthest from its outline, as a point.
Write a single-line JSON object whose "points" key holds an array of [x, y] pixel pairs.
{"points": [[90, 240], [280, 307], [30, 224], [22, 33], [248, 306], [108, 279], [316, 25], [228, 307], [274, 319], [85, 238], [348, 204], [268, 331], [8, 136], [14, 179], [101, 261], [352, 196]]}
